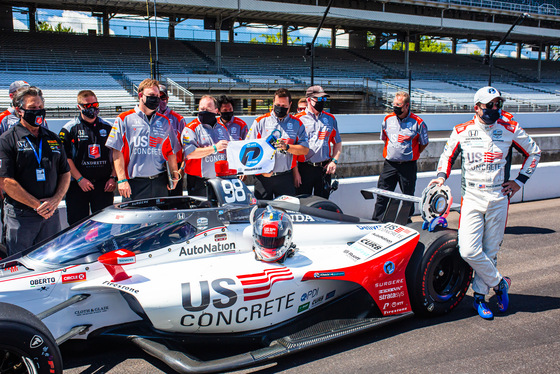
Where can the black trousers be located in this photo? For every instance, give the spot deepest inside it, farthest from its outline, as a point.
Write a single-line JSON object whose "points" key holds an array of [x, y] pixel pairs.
{"points": [[145, 188], [403, 173], [314, 180], [79, 203], [278, 185], [196, 186]]}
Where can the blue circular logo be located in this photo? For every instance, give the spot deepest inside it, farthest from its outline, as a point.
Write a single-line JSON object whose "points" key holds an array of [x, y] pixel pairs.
{"points": [[389, 267], [251, 154]]}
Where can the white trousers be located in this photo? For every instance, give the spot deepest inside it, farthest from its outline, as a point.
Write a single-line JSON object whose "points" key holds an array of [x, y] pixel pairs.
{"points": [[481, 231]]}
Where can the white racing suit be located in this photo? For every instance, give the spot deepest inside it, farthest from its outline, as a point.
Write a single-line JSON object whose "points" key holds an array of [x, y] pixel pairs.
{"points": [[486, 160]]}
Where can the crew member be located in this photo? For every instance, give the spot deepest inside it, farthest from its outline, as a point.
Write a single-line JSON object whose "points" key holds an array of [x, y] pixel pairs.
{"points": [[204, 142], [405, 136], [143, 141], [178, 123], [314, 170], [301, 104], [9, 118], [236, 126], [292, 141], [486, 144], [91, 162], [34, 174]]}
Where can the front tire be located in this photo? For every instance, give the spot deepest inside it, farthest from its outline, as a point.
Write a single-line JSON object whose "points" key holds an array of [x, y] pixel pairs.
{"points": [[437, 277], [26, 344]]}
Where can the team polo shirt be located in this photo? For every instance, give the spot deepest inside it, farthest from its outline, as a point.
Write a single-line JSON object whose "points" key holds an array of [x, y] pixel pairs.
{"points": [[292, 131], [145, 143], [8, 119], [237, 128], [198, 135], [18, 160], [177, 121], [84, 144], [402, 137], [322, 131]]}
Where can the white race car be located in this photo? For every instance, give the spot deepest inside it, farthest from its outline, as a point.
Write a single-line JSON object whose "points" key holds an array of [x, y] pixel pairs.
{"points": [[183, 269]]}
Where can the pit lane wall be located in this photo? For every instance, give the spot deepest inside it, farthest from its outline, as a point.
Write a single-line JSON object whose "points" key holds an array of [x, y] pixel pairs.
{"points": [[543, 184]]}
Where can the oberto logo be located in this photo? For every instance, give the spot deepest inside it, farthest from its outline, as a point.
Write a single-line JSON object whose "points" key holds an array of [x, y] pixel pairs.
{"points": [[251, 154]]}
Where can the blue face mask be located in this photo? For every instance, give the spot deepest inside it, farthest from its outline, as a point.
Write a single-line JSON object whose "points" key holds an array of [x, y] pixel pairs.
{"points": [[490, 116]]}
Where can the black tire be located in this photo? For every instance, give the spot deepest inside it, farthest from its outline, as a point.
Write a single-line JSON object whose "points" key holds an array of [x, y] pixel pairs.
{"points": [[437, 277], [26, 344], [319, 203]]}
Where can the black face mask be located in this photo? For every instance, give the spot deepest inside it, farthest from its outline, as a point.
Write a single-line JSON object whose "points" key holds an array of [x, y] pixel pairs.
{"points": [[398, 110], [152, 102], [319, 106], [280, 111], [34, 117], [490, 115], [206, 117], [226, 116], [90, 113]]}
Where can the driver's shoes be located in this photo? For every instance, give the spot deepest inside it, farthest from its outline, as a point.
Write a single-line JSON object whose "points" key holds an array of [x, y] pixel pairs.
{"points": [[481, 307], [502, 293]]}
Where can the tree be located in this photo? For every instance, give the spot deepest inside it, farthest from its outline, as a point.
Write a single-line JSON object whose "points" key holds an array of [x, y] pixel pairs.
{"points": [[274, 39], [45, 26], [370, 39], [427, 44], [476, 52]]}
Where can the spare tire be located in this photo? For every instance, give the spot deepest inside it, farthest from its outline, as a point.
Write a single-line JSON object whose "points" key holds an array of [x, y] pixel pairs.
{"points": [[436, 276], [26, 344]]}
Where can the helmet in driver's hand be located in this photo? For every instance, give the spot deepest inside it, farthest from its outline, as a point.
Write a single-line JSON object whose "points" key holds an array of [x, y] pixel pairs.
{"points": [[272, 234]]}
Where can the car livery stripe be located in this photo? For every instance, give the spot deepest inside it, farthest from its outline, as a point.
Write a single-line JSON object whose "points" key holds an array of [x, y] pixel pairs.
{"points": [[263, 281], [38, 275], [207, 231]]}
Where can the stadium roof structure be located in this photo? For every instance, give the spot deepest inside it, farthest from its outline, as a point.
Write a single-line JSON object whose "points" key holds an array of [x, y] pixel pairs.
{"points": [[476, 19]]}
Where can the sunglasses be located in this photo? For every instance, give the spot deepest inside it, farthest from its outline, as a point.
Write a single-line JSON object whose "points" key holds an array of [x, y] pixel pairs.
{"points": [[323, 98], [492, 104], [90, 105], [163, 97]]}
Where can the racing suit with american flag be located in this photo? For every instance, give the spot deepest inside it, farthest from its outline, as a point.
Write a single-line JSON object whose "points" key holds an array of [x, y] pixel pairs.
{"points": [[486, 154]]}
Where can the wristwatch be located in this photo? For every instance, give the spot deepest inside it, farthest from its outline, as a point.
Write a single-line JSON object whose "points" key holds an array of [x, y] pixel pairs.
{"points": [[114, 177]]}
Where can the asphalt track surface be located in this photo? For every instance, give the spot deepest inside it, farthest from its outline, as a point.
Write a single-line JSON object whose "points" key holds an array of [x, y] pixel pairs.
{"points": [[525, 339]]}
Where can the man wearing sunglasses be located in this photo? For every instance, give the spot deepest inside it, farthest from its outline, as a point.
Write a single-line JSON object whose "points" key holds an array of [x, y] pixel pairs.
{"points": [[91, 162], [314, 170], [486, 144], [405, 136]]}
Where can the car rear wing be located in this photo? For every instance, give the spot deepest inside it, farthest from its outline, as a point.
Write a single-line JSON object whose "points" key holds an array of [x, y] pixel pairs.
{"points": [[398, 207]]}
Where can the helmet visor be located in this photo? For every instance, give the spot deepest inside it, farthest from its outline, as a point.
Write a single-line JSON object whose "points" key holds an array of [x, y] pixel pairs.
{"points": [[270, 242]]}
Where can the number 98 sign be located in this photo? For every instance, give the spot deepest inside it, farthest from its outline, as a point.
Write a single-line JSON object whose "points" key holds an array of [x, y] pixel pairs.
{"points": [[234, 191]]}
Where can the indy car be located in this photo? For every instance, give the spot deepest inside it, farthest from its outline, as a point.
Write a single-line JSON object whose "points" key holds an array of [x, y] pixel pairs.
{"points": [[169, 273]]}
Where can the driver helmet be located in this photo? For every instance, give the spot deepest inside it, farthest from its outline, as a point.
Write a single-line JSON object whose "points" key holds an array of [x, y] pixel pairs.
{"points": [[272, 235]]}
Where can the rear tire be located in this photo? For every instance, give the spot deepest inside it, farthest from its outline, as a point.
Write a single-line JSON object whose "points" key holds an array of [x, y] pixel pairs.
{"points": [[437, 277], [26, 344], [319, 203]]}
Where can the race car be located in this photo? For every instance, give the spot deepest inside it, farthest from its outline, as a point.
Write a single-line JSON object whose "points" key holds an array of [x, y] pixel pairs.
{"points": [[169, 273]]}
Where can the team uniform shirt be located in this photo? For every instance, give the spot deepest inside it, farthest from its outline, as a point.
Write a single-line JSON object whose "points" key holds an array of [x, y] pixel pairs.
{"points": [[145, 143], [19, 154], [402, 137], [322, 131], [8, 119], [486, 154], [237, 128], [198, 135], [178, 123], [84, 144], [292, 132]]}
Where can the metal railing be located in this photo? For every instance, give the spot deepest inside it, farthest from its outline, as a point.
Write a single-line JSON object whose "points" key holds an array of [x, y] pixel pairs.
{"points": [[546, 9], [181, 92]]}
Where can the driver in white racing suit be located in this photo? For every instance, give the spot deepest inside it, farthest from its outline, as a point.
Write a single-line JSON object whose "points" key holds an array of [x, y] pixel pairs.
{"points": [[486, 143]]}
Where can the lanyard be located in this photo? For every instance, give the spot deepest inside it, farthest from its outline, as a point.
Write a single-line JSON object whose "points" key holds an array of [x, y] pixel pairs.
{"points": [[38, 156]]}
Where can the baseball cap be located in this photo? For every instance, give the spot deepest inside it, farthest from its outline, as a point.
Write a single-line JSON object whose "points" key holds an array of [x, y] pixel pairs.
{"points": [[487, 94], [17, 85], [316, 91], [163, 90]]}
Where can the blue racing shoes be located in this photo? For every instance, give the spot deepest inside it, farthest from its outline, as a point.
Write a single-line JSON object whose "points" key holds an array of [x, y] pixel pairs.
{"points": [[502, 293], [481, 307]]}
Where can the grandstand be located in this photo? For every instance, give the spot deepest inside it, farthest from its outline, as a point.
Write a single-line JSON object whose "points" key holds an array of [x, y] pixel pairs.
{"points": [[361, 78]]}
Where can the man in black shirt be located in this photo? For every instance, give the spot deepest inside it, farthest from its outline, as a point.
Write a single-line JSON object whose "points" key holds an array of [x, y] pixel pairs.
{"points": [[34, 174], [91, 163]]}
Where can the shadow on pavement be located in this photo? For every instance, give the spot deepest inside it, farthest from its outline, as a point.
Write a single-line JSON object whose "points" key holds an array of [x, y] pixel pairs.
{"points": [[526, 230]]}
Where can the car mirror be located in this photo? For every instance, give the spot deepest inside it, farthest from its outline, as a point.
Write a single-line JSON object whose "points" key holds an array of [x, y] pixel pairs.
{"points": [[114, 260]]}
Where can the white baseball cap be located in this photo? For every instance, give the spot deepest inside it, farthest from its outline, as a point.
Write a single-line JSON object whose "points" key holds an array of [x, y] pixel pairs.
{"points": [[487, 94]]}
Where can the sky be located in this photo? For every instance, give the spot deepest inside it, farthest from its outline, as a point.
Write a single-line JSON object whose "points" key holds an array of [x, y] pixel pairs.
{"points": [[127, 25]]}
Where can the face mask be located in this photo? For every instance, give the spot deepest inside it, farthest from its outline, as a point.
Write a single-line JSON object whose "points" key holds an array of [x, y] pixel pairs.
{"points": [[34, 117], [90, 113], [206, 117], [162, 106], [226, 116], [319, 106], [398, 110], [280, 111], [490, 115], [152, 102]]}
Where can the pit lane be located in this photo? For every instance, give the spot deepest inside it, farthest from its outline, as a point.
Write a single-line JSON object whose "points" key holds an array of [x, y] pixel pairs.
{"points": [[526, 338]]}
